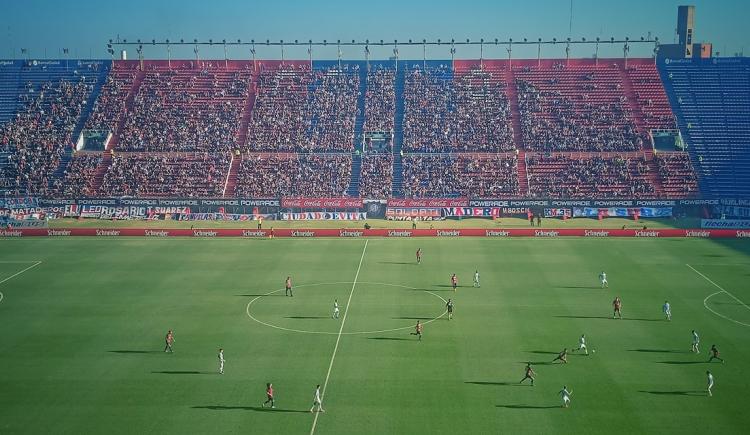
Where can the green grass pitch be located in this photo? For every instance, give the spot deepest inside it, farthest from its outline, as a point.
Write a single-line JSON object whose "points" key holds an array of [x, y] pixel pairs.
{"points": [[82, 336]]}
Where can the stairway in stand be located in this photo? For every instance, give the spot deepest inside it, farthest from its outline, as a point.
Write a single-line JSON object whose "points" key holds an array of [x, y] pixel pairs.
{"points": [[512, 92], [100, 171], [398, 133], [128, 107], [353, 190], [230, 185], [247, 113], [632, 99], [523, 177]]}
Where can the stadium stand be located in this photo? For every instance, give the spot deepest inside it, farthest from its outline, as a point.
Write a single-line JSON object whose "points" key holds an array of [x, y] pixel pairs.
{"points": [[711, 98], [78, 177], [460, 175], [376, 177], [166, 174], [273, 175]]}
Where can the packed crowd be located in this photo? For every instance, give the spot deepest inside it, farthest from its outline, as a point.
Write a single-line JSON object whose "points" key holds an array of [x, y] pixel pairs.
{"points": [[78, 178], [293, 175], [186, 110], [677, 175], [554, 121], [376, 176], [110, 105], [164, 175], [459, 175], [37, 137], [299, 110], [590, 177], [380, 100], [468, 112]]}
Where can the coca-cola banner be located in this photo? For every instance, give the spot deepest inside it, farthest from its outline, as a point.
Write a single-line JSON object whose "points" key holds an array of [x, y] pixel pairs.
{"points": [[428, 202], [321, 203]]}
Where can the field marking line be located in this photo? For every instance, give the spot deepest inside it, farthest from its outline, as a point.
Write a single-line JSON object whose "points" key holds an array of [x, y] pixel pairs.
{"points": [[721, 290], [19, 261], [18, 273], [718, 286], [24, 270], [338, 338]]}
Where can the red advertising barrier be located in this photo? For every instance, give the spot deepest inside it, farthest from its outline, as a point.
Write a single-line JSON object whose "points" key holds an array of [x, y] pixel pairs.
{"points": [[305, 233], [428, 203], [321, 203]]}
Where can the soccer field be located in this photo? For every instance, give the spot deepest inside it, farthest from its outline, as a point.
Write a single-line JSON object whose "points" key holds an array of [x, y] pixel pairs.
{"points": [[83, 324]]}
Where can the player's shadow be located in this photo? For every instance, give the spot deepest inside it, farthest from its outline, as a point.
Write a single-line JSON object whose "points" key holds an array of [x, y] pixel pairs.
{"points": [[675, 393], [134, 351], [245, 408], [412, 318], [410, 263], [682, 362], [544, 352], [447, 287], [389, 338], [579, 287], [500, 384], [181, 372], [260, 295], [658, 351], [537, 363], [525, 407], [308, 317], [608, 317]]}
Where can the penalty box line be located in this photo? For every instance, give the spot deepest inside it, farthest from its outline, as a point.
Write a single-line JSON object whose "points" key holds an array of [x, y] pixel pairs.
{"points": [[17, 273], [718, 286], [338, 338]]}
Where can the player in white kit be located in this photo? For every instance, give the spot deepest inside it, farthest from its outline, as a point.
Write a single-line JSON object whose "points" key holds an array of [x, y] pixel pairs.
{"points": [[582, 344], [335, 309], [603, 279], [221, 361], [667, 309], [565, 394], [696, 341], [709, 382], [476, 279], [317, 400]]}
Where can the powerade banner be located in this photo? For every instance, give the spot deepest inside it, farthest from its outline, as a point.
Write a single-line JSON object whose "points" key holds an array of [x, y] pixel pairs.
{"points": [[557, 212], [321, 203], [622, 212], [325, 216], [165, 202]]}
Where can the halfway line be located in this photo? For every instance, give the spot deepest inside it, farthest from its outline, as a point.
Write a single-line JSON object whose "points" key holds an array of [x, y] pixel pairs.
{"points": [[338, 338], [718, 286]]}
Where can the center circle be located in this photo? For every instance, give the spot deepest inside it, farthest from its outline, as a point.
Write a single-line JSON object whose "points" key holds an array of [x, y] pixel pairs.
{"points": [[342, 304]]}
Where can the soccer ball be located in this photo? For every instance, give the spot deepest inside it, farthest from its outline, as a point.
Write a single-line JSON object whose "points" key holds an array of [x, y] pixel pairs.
{"points": [[593, 351]]}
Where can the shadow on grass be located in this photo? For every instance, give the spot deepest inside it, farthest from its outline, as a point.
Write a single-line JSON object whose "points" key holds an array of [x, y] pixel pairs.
{"points": [[682, 362], [658, 351], [389, 338], [410, 263], [135, 351], [675, 393], [511, 384], [257, 296], [412, 318], [308, 317], [579, 287], [536, 363], [608, 317], [181, 372], [543, 352], [526, 407], [245, 408]]}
